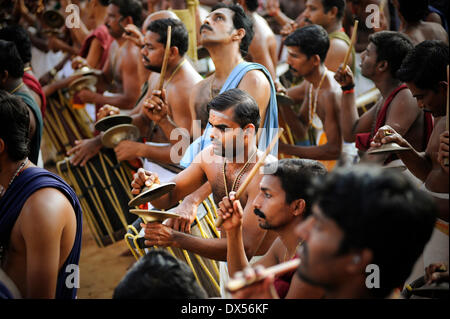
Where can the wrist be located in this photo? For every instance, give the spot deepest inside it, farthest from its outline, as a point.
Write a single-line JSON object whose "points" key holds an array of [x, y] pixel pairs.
{"points": [[176, 239], [348, 87]]}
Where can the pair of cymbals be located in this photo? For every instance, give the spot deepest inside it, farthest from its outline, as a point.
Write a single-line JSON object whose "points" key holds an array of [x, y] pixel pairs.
{"points": [[119, 133], [388, 148], [85, 70], [53, 18], [85, 82]]}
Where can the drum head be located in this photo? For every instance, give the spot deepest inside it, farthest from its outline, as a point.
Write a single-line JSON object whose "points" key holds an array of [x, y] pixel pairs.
{"points": [[283, 99], [388, 148], [53, 19], [156, 191], [149, 216], [113, 120], [85, 82], [119, 133]]}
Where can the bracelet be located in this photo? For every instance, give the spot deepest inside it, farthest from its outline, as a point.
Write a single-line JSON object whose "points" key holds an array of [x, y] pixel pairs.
{"points": [[348, 91], [348, 87]]}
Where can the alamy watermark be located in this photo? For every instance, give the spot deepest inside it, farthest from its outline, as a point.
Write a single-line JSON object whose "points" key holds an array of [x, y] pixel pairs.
{"points": [[73, 277], [373, 277]]}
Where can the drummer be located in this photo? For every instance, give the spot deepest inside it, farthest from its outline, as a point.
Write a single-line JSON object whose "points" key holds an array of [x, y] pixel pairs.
{"points": [[281, 205], [234, 115]]}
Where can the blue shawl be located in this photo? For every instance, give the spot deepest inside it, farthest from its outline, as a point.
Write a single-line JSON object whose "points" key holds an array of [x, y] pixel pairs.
{"points": [[25, 184], [270, 123]]}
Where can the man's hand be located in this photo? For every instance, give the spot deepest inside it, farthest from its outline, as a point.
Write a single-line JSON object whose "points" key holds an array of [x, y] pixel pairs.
{"points": [[273, 7], [143, 178], [443, 150], [86, 96], [288, 28], [436, 273], [188, 211], [134, 35], [107, 110], [79, 62], [128, 150], [156, 107], [158, 234], [263, 289], [344, 77], [231, 211], [84, 150], [387, 134], [279, 88]]}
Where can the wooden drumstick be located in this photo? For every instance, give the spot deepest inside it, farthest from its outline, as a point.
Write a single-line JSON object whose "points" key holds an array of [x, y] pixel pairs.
{"points": [[236, 284], [166, 57], [352, 43], [253, 171], [446, 117], [382, 5]]}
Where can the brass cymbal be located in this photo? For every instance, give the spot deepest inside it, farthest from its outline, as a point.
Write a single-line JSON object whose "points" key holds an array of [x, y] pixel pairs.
{"points": [[113, 120], [85, 82], [85, 70], [53, 19], [149, 216], [284, 99], [118, 133], [388, 148], [148, 194]]}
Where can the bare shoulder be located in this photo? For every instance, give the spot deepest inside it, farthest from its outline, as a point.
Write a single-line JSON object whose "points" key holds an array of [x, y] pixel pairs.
{"points": [[255, 79], [405, 98], [338, 46]]}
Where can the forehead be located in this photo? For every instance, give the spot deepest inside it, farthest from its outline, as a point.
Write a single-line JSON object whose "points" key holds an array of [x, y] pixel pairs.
{"points": [[371, 48], [314, 3], [272, 183], [221, 117], [152, 37], [112, 9], [295, 50], [223, 12]]}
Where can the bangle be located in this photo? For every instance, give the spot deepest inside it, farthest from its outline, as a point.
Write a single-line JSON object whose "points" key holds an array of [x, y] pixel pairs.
{"points": [[348, 87], [349, 91]]}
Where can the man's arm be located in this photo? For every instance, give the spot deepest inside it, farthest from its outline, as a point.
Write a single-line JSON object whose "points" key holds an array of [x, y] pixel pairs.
{"points": [[46, 218]]}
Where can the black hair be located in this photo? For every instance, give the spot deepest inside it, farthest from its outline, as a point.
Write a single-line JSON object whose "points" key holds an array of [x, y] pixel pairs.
{"points": [[20, 37], [339, 4], [413, 10], [296, 177], [246, 109], [382, 211], [14, 126], [103, 2], [240, 21], [179, 34], [391, 46], [425, 65], [311, 40], [10, 59], [159, 275], [129, 8], [252, 5]]}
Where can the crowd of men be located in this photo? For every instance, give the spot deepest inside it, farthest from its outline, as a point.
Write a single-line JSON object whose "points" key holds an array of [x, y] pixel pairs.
{"points": [[324, 193]]}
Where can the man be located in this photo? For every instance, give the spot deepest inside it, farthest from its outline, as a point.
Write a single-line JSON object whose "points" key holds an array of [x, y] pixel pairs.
{"points": [[424, 72], [234, 117], [307, 48], [41, 220], [396, 107], [226, 33], [118, 74], [281, 205], [412, 14], [263, 48], [11, 73], [159, 275], [343, 250]]}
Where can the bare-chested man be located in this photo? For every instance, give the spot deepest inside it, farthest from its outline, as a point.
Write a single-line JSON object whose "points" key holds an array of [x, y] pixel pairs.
{"points": [[424, 72], [263, 48], [234, 117], [397, 107], [412, 14], [119, 73], [307, 48]]}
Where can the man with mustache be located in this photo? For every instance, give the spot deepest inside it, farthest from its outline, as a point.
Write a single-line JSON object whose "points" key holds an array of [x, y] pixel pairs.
{"points": [[281, 205], [396, 107], [307, 48], [225, 164], [424, 72], [352, 244], [119, 73]]}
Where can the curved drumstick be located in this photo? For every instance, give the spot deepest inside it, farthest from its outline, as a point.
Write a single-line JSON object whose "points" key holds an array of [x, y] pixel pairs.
{"points": [[254, 171], [352, 43], [166, 57], [239, 283]]}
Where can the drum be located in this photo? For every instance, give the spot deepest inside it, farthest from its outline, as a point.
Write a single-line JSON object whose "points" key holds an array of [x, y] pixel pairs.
{"points": [[205, 270], [63, 124], [103, 189]]}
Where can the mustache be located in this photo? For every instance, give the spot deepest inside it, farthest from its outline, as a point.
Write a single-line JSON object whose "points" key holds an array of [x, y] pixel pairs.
{"points": [[308, 21], [292, 69], [146, 59], [259, 213], [205, 26]]}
